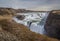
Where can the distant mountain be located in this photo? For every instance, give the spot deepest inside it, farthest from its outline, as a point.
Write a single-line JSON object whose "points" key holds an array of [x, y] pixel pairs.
{"points": [[12, 10]]}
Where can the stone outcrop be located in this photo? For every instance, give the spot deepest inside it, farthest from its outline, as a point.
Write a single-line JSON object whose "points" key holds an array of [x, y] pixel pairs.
{"points": [[52, 25], [20, 17]]}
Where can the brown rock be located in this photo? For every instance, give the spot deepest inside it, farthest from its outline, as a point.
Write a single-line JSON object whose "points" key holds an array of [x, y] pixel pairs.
{"points": [[52, 25], [20, 17]]}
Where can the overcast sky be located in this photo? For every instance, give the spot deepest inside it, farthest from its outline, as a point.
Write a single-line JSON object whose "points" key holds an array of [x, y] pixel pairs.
{"points": [[31, 4]]}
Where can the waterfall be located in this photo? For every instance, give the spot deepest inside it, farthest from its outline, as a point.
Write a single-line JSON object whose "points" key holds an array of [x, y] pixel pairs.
{"points": [[34, 21]]}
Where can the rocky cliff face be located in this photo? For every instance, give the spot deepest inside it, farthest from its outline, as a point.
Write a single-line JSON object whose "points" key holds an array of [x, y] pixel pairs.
{"points": [[52, 25]]}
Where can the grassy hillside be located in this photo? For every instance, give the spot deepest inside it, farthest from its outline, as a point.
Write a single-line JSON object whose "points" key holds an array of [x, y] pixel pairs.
{"points": [[7, 11], [20, 32]]}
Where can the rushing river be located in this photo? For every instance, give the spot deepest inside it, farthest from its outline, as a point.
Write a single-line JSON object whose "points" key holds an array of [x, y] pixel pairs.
{"points": [[35, 21]]}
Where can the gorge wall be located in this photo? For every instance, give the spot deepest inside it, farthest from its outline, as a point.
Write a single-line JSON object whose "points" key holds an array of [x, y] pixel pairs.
{"points": [[52, 25]]}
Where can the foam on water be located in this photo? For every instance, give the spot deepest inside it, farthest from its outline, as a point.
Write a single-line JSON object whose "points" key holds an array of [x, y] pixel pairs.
{"points": [[35, 19]]}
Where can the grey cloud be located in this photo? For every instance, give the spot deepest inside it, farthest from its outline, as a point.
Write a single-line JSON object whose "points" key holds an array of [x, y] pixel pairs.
{"points": [[31, 4]]}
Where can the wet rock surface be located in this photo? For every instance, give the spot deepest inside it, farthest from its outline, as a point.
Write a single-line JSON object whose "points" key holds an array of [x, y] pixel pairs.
{"points": [[52, 25], [20, 17]]}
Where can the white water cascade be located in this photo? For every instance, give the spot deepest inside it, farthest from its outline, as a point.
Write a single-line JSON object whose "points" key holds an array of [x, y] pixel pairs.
{"points": [[35, 21]]}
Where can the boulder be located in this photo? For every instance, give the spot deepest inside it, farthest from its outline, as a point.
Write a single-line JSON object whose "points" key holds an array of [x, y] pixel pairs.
{"points": [[20, 17]]}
